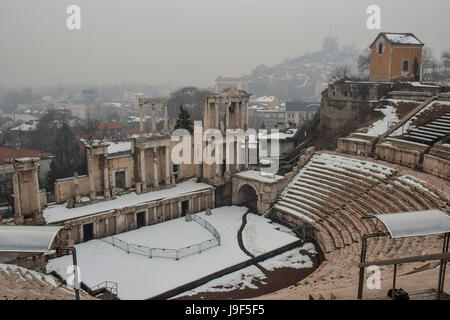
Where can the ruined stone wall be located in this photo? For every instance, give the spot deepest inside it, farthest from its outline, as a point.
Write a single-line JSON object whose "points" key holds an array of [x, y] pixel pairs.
{"points": [[437, 162], [64, 188], [352, 145], [123, 220], [399, 153], [30, 194], [122, 164]]}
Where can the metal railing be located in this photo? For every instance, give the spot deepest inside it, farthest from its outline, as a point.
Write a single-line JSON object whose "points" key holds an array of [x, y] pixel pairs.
{"points": [[104, 287], [170, 253]]}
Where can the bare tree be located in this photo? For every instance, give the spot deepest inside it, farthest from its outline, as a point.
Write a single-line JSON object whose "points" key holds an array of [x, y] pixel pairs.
{"points": [[446, 62], [429, 64], [90, 130], [340, 72], [364, 61]]}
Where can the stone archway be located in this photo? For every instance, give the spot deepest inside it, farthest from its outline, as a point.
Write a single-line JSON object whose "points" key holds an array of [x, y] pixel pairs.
{"points": [[248, 197], [245, 185]]}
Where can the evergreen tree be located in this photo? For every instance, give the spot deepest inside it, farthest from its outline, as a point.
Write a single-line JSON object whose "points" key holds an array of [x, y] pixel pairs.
{"points": [[67, 158], [184, 121]]}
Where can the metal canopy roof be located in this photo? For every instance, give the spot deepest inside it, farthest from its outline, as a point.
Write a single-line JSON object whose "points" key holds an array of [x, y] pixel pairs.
{"points": [[414, 224], [27, 238]]}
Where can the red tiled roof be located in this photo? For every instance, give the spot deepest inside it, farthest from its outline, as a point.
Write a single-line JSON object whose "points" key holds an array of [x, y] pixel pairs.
{"points": [[131, 131], [111, 125], [10, 153]]}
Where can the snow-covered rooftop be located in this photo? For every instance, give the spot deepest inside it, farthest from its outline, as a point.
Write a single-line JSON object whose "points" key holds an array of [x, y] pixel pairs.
{"points": [[59, 213], [259, 176], [25, 127], [402, 38], [121, 146]]}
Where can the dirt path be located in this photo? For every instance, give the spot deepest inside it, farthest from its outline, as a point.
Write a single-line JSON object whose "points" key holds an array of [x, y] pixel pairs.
{"points": [[275, 280]]}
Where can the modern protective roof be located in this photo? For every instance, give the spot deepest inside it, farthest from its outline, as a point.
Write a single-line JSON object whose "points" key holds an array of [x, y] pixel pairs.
{"points": [[414, 224], [27, 238]]}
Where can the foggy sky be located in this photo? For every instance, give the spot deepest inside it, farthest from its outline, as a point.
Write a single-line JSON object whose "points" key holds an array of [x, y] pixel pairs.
{"points": [[189, 42]]}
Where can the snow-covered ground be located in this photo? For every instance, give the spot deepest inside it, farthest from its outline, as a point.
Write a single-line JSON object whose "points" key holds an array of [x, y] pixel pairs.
{"points": [[245, 278], [381, 126], [155, 236], [255, 236], [140, 277], [238, 280], [60, 212]]}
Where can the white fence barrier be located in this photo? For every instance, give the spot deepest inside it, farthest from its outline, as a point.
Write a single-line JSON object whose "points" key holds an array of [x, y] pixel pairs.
{"points": [[170, 253]]}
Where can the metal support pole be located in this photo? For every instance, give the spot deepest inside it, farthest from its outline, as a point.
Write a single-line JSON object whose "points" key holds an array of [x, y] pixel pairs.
{"points": [[361, 270], [75, 269], [443, 267], [363, 259], [75, 265], [393, 281]]}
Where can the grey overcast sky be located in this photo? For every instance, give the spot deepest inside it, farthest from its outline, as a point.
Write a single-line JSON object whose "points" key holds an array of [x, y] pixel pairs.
{"points": [[189, 42]]}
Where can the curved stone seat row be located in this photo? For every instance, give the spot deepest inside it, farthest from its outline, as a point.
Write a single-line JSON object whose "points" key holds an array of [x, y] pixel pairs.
{"points": [[334, 199]]}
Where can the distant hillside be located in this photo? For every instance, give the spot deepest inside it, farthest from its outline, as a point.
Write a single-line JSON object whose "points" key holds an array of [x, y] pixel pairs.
{"points": [[302, 77]]}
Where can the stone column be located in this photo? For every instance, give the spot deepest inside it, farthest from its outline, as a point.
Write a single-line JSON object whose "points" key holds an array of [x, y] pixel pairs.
{"points": [[246, 114], [142, 163], [91, 175], [216, 114], [16, 189], [155, 168], [166, 120], [106, 178], [141, 119], [217, 165], [227, 116], [76, 187], [153, 119], [36, 187], [227, 126], [246, 138], [167, 177]]}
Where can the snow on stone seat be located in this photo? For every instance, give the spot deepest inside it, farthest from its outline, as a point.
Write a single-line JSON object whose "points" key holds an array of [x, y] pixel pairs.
{"points": [[422, 130], [438, 127], [281, 206], [345, 173], [424, 134], [18, 283]]}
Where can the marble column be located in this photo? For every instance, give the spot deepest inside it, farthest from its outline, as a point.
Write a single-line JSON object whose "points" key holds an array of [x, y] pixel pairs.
{"points": [[91, 176], [142, 163], [216, 114], [141, 119], [167, 177], [106, 178], [16, 189], [166, 120], [155, 168], [153, 120], [36, 187]]}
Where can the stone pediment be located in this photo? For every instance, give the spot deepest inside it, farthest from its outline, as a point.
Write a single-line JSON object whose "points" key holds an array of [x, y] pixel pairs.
{"points": [[233, 92]]}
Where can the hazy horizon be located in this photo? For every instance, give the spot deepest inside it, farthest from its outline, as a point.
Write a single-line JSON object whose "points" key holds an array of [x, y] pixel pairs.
{"points": [[188, 42]]}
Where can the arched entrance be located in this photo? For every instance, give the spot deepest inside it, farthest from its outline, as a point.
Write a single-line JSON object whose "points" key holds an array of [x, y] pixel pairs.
{"points": [[248, 197]]}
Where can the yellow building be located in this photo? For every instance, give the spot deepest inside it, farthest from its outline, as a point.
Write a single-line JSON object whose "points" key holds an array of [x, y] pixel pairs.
{"points": [[396, 56]]}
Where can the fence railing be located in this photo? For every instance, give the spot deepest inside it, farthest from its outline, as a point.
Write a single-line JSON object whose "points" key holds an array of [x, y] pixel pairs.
{"points": [[170, 253], [103, 288]]}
